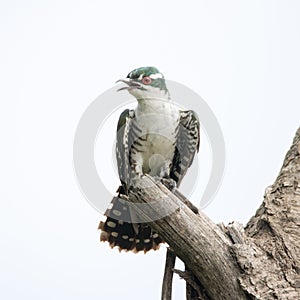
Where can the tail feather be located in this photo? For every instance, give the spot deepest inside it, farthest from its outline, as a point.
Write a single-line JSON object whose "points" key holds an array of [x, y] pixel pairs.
{"points": [[126, 235]]}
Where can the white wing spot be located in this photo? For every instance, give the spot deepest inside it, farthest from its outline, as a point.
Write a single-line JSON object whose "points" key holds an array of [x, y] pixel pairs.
{"points": [[117, 212], [111, 224], [177, 174], [131, 239], [121, 201], [125, 237], [114, 234], [146, 241], [155, 235]]}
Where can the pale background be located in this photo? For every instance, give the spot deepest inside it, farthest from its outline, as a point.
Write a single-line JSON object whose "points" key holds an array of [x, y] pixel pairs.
{"points": [[242, 57]]}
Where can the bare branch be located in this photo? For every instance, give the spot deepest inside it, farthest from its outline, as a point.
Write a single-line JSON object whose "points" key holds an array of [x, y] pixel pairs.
{"points": [[196, 240], [261, 261], [190, 280], [168, 275], [273, 264]]}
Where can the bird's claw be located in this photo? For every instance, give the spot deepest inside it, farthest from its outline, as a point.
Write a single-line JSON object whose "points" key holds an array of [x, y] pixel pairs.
{"points": [[169, 183]]}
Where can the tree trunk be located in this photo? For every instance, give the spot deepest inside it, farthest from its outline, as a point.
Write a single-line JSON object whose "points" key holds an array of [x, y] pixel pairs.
{"points": [[261, 261]]}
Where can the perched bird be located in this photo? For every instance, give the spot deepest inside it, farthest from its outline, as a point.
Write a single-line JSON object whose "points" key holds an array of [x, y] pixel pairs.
{"points": [[157, 138]]}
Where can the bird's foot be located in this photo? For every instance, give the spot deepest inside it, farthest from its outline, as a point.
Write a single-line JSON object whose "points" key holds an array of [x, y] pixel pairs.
{"points": [[169, 183], [156, 178]]}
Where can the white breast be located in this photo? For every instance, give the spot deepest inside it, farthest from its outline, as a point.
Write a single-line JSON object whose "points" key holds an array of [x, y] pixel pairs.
{"points": [[158, 121]]}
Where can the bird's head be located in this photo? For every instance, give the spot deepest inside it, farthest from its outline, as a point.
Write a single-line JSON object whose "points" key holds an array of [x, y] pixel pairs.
{"points": [[145, 82]]}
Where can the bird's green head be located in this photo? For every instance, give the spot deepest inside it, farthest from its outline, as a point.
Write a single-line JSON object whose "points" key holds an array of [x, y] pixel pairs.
{"points": [[145, 82]]}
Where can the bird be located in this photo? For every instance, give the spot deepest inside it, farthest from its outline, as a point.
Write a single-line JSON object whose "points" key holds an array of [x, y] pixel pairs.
{"points": [[156, 138]]}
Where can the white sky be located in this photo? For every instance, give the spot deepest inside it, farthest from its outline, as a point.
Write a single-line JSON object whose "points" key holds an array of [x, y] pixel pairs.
{"points": [[242, 57]]}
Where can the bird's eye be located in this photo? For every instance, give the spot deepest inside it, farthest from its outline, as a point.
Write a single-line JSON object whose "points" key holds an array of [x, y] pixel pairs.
{"points": [[146, 80]]}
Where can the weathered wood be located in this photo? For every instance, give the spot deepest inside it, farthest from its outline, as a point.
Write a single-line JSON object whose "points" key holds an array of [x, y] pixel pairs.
{"points": [[194, 289], [273, 264], [260, 262], [196, 240], [168, 275]]}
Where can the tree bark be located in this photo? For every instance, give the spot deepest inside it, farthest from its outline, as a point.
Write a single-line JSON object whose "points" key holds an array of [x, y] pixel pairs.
{"points": [[196, 240], [261, 261], [168, 275], [272, 263]]}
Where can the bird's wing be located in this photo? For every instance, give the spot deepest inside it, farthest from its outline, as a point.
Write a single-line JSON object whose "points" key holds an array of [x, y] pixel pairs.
{"points": [[187, 144], [121, 227], [122, 146]]}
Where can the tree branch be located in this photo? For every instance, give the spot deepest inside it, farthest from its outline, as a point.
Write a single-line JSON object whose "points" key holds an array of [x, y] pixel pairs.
{"points": [[261, 261], [168, 275], [196, 287], [275, 231], [195, 239]]}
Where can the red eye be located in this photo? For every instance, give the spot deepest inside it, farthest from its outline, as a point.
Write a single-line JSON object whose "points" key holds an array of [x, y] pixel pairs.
{"points": [[146, 80]]}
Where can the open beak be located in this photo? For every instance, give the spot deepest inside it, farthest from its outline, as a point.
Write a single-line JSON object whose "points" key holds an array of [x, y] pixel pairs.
{"points": [[131, 84]]}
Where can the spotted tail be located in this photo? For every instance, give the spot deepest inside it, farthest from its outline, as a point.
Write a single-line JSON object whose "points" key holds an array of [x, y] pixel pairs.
{"points": [[126, 235]]}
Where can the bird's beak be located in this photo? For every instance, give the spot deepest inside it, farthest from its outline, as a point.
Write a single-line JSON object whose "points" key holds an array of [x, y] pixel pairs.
{"points": [[131, 84]]}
